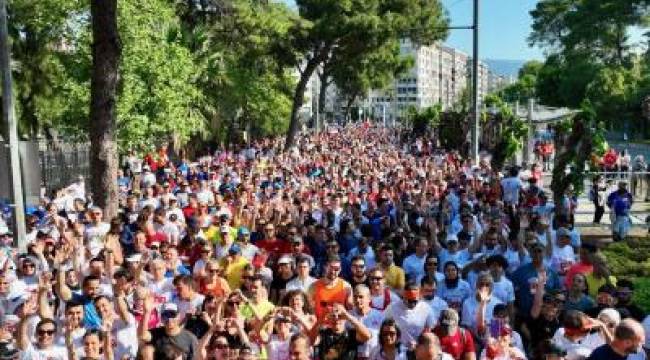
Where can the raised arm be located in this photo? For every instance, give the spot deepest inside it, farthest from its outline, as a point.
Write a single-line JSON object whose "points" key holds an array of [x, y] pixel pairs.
{"points": [[536, 310], [362, 332], [144, 335], [62, 290], [44, 287]]}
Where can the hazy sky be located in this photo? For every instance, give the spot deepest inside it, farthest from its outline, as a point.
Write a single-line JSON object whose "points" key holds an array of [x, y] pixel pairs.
{"points": [[504, 26]]}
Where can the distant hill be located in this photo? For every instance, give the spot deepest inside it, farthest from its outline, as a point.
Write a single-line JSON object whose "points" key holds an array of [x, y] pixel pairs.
{"points": [[505, 67]]}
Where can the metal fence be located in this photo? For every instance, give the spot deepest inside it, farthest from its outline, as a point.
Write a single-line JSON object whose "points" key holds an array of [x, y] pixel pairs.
{"points": [[62, 163]]}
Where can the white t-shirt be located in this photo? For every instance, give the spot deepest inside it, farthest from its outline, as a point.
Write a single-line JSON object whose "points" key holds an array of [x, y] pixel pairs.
{"points": [[562, 259], [580, 349], [161, 288], [125, 337], [185, 307], [411, 321], [511, 187], [94, 236], [54, 352], [470, 311], [77, 340]]}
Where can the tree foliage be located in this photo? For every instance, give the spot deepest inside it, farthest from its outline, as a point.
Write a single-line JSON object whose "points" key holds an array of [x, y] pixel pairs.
{"points": [[591, 57], [513, 130], [354, 28]]}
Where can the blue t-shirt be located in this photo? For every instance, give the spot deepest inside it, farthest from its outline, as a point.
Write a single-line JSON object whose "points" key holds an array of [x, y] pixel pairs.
{"points": [[522, 278], [91, 317]]}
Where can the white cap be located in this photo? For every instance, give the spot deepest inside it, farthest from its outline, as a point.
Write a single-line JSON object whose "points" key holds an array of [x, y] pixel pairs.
{"points": [[452, 237], [134, 258], [285, 259], [169, 307]]}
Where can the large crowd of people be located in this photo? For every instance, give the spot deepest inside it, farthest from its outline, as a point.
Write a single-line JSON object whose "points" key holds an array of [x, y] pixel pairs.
{"points": [[353, 244]]}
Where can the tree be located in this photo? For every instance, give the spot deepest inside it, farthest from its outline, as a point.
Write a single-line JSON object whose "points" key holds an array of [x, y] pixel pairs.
{"points": [[106, 53], [38, 31], [158, 94], [353, 27], [234, 44], [356, 74]]}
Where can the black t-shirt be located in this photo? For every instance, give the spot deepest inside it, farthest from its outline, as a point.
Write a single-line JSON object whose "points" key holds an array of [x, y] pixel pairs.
{"points": [[354, 283], [197, 326], [633, 311], [541, 328], [338, 346], [605, 352], [184, 341], [279, 284]]}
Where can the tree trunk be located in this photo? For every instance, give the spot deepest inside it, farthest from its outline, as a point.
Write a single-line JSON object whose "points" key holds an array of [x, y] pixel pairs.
{"points": [[322, 97], [298, 100], [348, 107], [299, 93], [106, 53]]}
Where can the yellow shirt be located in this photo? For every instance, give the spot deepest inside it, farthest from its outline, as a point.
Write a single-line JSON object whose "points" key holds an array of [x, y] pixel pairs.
{"points": [[262, 309], [395, 277], [213, 234], [233, 271], [593, 284]]}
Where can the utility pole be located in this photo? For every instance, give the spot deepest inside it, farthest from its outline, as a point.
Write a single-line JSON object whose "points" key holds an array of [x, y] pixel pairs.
{"points": [[9, 118], [316, 120], [475, 82]]}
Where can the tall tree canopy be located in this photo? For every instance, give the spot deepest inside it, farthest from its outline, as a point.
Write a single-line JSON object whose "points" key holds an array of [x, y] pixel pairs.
{"points": [[353, 28]]}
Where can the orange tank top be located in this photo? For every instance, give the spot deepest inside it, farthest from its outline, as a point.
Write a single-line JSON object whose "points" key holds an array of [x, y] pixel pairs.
{"points": [[324, 298]]}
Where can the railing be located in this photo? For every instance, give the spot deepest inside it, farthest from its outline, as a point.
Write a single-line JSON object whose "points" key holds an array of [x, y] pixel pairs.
{"points": [[62, 163]]}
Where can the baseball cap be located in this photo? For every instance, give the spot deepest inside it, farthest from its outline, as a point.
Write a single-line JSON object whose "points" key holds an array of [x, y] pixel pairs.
{"points": [[285, 260], [234, 249], [243, 231], [134, 258]]}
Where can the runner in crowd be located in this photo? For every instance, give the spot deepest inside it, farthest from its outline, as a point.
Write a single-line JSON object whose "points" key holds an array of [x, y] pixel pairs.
{"points": [[351, 245]]}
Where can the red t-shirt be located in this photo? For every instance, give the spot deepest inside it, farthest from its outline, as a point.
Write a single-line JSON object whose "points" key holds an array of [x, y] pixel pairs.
{"points": [[276, 247], [456, 345]]}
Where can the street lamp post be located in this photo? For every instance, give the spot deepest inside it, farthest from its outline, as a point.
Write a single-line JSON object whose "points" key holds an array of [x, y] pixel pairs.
{"points": [[475, 84], [9, 118]]}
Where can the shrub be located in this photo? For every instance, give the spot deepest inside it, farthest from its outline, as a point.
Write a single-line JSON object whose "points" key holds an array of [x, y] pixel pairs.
{"points": [[632, 260]]}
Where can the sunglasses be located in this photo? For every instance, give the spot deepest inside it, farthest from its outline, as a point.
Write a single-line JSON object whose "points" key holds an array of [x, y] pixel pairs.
{"points": [[376, 278], [221, 346], [46, 332], [29, 265], [432, 264]]}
